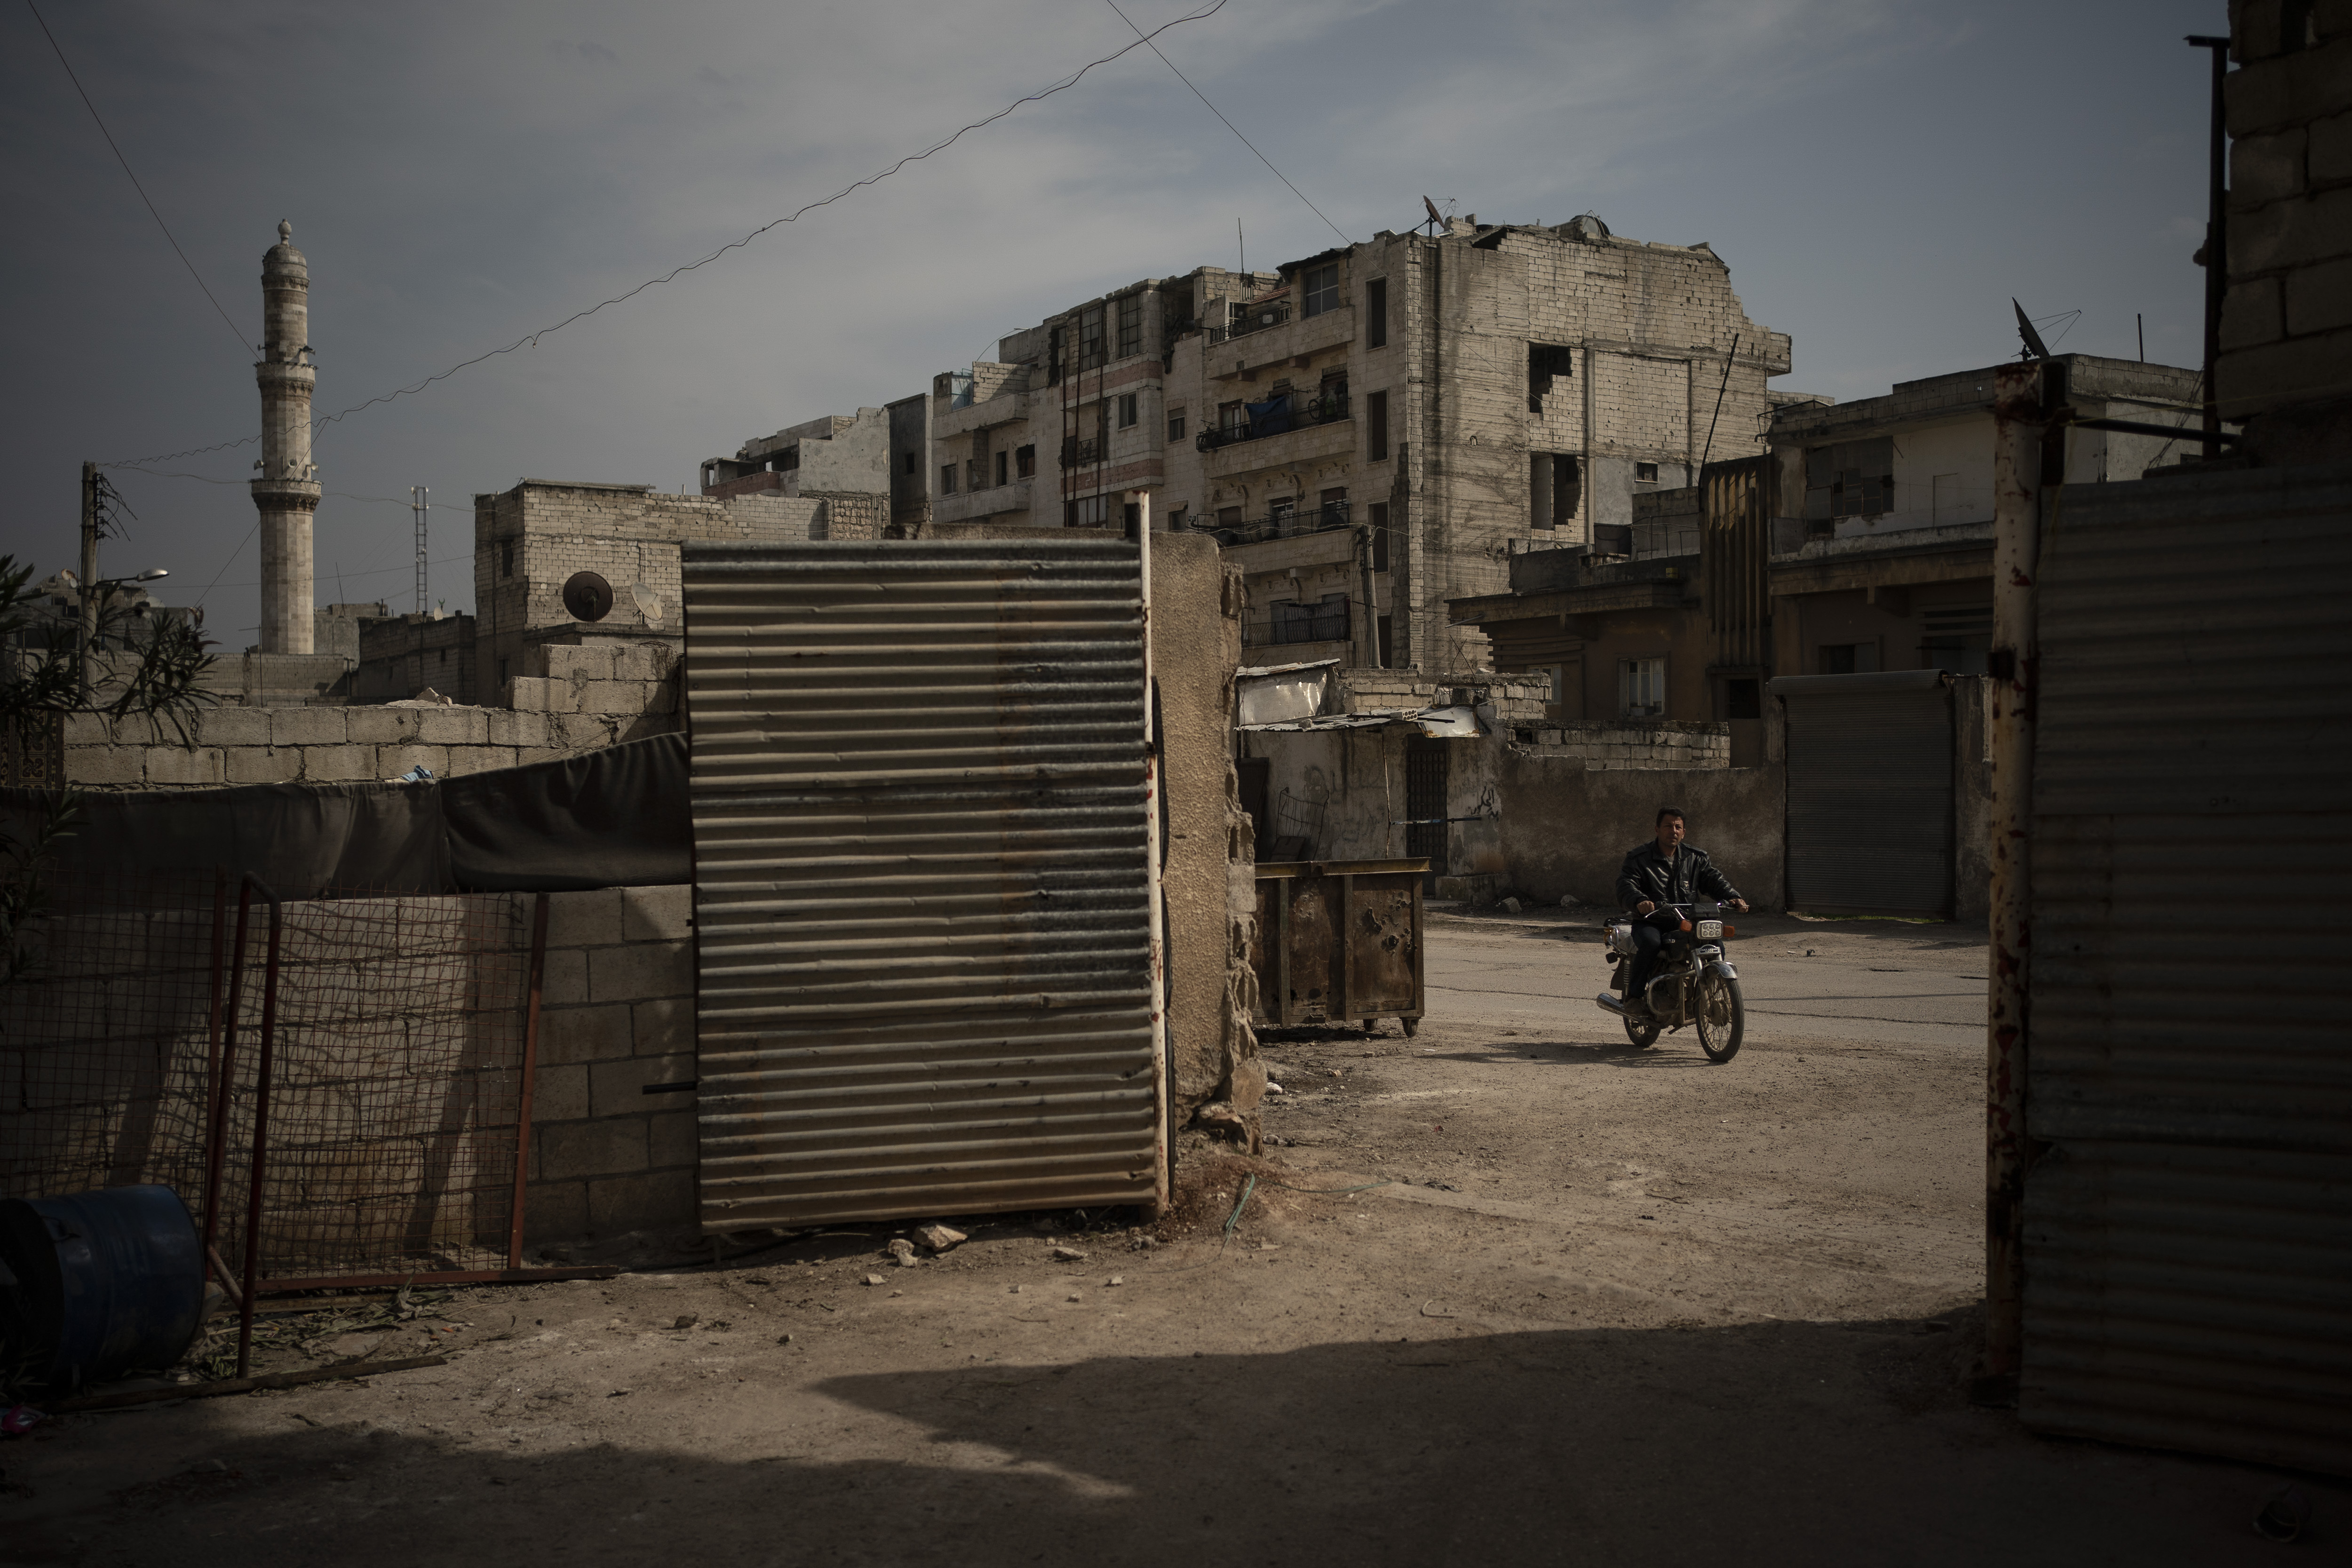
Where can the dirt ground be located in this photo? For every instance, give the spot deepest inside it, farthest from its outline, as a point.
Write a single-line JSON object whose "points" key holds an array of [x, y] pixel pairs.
{"points": [[1606, 1306]]}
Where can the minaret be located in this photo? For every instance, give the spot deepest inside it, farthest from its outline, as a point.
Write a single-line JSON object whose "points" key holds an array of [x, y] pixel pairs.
{"points": [[287, 493]]}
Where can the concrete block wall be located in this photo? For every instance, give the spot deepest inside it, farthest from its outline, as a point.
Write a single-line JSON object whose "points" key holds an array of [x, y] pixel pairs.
{"points": [[2287, 322], [616, 1014], [307, 745], [1615, 745], [600, 692]]}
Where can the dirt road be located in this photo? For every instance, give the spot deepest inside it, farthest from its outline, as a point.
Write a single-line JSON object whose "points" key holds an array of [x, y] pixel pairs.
{"points": [[1611, 1306]]}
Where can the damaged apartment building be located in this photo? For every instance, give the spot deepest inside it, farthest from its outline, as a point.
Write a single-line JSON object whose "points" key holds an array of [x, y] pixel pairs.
{"points": [[1372, 431]]}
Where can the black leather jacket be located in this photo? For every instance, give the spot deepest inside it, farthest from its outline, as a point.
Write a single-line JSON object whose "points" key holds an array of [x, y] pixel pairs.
{"points": [[1647, 875]]}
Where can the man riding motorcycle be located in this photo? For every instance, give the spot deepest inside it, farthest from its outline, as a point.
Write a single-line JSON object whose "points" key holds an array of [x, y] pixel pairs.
{"points": [[1662, 872]]}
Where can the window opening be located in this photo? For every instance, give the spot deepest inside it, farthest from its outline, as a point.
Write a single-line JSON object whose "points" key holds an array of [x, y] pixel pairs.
{"points": [[1380, 510], [1131, 325], [1090, 338], [1323, 290], [1003, 460], [1376, 427], [947, 479], [1547, 362], [1851, 478], [1376, 313], [1127, 415], [1642, 688], [1089, 511], [1645, 473], [1024, 461], [1176, 426], [1849, 658]]}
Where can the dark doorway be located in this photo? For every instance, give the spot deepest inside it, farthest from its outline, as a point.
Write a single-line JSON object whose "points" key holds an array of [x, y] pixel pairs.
{"points": [[1424, 802], [1252, 773]]}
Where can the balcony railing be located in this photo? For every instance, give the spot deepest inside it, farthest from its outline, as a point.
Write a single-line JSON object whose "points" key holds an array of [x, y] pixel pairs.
{"points": [[1247, 319], [1323, 518], [1292, 411], [1077, 453]]}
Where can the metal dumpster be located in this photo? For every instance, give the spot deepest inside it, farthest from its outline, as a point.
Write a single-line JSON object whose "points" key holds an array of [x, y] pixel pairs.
{"points": [[1339, 940]]}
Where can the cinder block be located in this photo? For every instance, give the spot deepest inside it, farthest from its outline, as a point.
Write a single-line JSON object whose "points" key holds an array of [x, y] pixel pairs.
{"points": [[554, 1211], [393, 761], [537, 695], [565, 981], [560, 1094], [671, 1141], [2251, 380], [613, 1147], [307, 726], [89, 730], [2250, 314], [613, 697], [591, 662], [525, 755], [643, 661], [480, 759], [617, 1089], [453, 726], [178, 765], [2291, 233], [2318, 299], [381, 726], [662, 1201], [2330, 155], [657, 915], [568, 1034], [106, 764], [583, 919], [661, 697], [262, 765], [338, 764], [663, 1027], [577, 732], [641, 973], [226, 727], [518, 729]]}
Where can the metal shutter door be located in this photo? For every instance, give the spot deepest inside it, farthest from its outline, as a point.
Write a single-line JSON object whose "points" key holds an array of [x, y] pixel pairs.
{"points": [[924, 888], [2187, 1235], [1870, 793]]}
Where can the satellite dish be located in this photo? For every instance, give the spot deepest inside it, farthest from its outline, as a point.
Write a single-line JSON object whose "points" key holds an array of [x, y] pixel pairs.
{"points": [[588, 596], [2034, 347]]}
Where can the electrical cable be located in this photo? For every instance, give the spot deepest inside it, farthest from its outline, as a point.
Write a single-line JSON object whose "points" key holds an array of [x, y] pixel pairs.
{"points": [[1220, 113], [243, 347], [531, 339]]}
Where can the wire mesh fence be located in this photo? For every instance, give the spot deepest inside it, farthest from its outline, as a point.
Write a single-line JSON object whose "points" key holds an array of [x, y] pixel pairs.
{"points": [[396, 1081]]}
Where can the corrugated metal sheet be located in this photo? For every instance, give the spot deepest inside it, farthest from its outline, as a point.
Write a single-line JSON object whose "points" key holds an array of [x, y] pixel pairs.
{"points": [[2188, 1232], [1869, 792], [922, 818]]}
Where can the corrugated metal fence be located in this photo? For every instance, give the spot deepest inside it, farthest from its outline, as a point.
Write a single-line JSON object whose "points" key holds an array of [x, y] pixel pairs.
{"points": [[2188, 1225], [924, 889]]}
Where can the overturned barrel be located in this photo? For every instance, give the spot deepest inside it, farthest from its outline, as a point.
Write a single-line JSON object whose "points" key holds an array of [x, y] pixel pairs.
{"points": [[94, 1285]]}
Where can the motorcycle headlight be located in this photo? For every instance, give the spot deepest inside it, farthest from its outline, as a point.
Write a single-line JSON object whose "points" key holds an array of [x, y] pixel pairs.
{"points": [[1710, 930]]}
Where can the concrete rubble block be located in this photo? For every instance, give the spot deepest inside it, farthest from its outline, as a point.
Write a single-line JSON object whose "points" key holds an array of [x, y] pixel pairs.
{"points": [[662, 1025], [177, 766], [307, 726], [614, 1146], [577, 732], [534, 695], [338, 764], [613, 697], [661, 1201], [393, 761], [643, 971], [657, 915], [219, 727], [589, 662], [941, 1238], [262, 765], [591, 919], [518, 729], [560, 1094], [642, 661], [453, 726], [565, 981], [381, 726], [585, 1034], [554, 1211], [480, 759], [618, 1088], [671, 1141]]}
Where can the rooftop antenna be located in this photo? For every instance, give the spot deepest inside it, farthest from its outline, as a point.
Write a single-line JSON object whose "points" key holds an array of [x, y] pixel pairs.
{"points": [[420, 504], [1241, 244], [2034, 347]]}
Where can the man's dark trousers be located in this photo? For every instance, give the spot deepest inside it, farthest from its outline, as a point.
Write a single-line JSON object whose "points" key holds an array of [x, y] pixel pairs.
{"points": [[1649, 936]]}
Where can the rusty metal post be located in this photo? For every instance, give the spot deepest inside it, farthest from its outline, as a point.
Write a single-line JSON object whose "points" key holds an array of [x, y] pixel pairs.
{"points": [[2017, 498], [260, 1130], [217, 1134], [530, 1078]]}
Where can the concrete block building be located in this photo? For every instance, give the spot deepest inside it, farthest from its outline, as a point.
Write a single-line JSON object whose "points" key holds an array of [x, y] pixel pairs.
{"points": [[843, 462]]}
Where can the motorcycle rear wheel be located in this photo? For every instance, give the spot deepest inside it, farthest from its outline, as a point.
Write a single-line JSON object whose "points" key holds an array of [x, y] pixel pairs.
{"points": [[1722, 1018]]}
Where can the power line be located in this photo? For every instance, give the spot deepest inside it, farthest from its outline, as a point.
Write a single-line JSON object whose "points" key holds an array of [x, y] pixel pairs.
{"points": [[531, 339], [1220, 113], [208, 479], [243, 347]]}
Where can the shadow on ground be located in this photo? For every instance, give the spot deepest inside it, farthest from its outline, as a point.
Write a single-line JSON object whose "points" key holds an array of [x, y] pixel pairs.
{"points": [[1779, 1443]]}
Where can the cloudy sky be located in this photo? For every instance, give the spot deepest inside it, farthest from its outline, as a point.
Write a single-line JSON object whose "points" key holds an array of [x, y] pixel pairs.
{"points": [[1880, 175]]}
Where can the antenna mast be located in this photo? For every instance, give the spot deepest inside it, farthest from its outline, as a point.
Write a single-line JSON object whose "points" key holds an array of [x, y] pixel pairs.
{"points": [[420, 504]]}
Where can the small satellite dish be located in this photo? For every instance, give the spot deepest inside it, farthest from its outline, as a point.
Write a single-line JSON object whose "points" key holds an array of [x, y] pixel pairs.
{"points": [[2034, 347], [588, 596], [1433, 215]]}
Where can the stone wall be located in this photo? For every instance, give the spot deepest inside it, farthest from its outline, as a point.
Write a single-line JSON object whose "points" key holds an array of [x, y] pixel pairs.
{"points": [[308, 745], [1565, 828], [617, 1015], [1603, 745]]}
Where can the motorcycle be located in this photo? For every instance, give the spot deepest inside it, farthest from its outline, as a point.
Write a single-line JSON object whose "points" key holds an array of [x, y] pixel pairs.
{"points": [[1693, 984]]}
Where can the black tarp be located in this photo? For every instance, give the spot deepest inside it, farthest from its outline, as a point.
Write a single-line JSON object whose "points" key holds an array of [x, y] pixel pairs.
{"points": [[611, 818]]}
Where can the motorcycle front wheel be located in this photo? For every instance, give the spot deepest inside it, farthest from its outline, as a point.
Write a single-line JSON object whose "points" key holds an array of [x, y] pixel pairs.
{"points": [[1722, 1018]]}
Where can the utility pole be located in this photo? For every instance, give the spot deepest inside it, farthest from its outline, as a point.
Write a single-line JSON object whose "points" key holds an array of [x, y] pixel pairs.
{"points": [[420, 504], [88, 636]]}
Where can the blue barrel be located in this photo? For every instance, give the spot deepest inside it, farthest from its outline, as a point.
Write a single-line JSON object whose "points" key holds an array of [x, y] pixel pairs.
{"points": [[100, 1283]]}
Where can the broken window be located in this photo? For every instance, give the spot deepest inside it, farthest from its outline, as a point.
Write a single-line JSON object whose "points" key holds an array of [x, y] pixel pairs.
{"points": [[1645, 473], [1376, 427], [947, 479], [1546, 363], [1090, 338], [1131, 325], [1126, 410], [1322, 289], [1851, 479], [1376, 313], [1024, 461], [1642, 688], [1567, 488]]}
